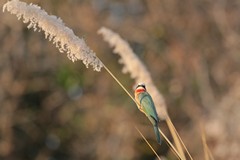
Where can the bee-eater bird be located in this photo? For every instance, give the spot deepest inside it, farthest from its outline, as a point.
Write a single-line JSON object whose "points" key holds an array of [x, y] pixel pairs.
{"points": [[145, 104]]}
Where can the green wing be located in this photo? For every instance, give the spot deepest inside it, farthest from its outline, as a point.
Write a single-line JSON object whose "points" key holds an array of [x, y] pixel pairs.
{"points": [[149, 107]]}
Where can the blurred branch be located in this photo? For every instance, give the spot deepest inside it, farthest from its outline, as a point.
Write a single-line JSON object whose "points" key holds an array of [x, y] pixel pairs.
{"points": [[205, 88]]}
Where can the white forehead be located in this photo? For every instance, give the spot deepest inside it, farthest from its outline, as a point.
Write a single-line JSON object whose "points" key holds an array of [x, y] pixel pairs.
{"points": [[141, 84]]}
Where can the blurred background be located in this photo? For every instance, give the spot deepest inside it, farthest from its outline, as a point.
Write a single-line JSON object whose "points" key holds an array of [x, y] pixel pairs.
{"points": [[53, 109]]}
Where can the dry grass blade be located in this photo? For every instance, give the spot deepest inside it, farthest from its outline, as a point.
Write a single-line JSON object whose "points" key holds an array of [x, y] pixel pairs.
{"points": [[120, 84], [177, 137], [210, 153], [148, 143], [171, 146], [206, 156], [207, 153]]}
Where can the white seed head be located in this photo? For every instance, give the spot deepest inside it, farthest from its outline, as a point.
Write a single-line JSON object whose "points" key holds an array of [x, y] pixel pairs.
{"points": [[55, 31]]}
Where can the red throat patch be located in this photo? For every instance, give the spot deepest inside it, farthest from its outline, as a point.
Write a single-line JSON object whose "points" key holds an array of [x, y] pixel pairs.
{"points": [[139, 90]]}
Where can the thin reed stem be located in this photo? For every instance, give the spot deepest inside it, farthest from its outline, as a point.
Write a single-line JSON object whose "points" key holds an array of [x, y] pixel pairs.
{"points": [[171, 145], [210, 153], [207, 153], [119, 83], [147, 143], [170, 125], [176, 139]]}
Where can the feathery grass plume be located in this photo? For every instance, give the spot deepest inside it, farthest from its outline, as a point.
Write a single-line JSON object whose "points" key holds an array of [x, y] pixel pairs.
{"points": [[133, 65], [55, 31]]}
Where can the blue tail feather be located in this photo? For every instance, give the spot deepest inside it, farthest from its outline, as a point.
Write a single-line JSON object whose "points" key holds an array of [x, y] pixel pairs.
{"points": [[157, 133]]}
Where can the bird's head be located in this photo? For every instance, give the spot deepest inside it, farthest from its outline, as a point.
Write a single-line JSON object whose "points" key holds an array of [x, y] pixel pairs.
{"points": [[141, 87]]}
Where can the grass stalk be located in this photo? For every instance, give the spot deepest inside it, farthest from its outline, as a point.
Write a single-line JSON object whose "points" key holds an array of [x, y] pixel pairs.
{"points": [[120, 84], [177, 139], [171, 146], [147, 143], [207, 153]]}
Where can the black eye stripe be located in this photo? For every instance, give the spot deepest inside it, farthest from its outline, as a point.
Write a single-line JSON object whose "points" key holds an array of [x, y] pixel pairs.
{"points": [[141, 85]]}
